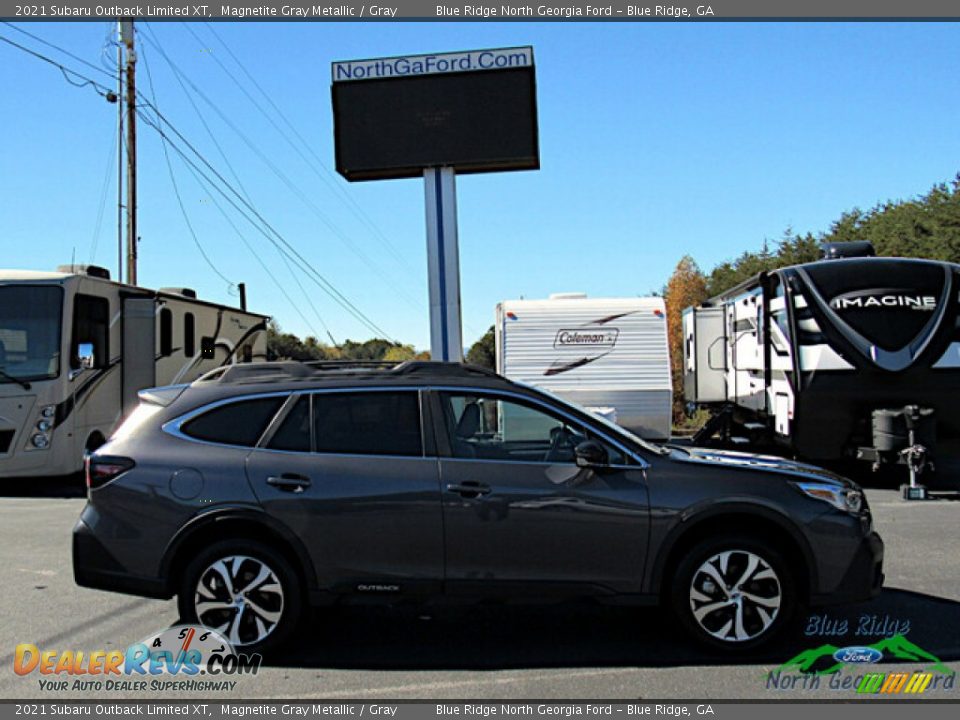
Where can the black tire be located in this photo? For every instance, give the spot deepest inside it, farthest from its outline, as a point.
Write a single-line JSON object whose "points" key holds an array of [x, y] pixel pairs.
{"points": [[727, 616], [244, 561]]}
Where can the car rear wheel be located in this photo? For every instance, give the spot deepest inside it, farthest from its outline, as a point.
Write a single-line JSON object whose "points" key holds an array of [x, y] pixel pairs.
{"points": [[733, 592], [246, 591]]}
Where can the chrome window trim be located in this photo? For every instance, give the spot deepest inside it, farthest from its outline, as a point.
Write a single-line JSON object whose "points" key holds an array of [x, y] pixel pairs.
{"points": [[175, 427], [642, 464], [541, 463]]}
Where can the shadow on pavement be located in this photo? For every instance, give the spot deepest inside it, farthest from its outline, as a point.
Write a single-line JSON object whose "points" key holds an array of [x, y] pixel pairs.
{"points": [[488, 637], [61, 486]]}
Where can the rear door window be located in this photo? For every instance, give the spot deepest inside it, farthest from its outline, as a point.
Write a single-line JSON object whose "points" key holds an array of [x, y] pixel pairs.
{"points": [[236, 423], [294, 432], [368, 423]]}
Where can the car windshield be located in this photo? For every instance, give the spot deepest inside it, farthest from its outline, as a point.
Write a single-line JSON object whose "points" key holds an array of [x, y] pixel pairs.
{"points": [[30, 320], [618, 429]]}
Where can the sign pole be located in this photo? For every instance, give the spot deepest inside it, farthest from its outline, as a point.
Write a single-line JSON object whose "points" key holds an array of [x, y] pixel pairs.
{"points": [[443, 263]]}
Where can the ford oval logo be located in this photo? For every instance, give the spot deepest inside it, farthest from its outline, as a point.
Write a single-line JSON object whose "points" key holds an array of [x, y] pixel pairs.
{"points": [[860, 655]]}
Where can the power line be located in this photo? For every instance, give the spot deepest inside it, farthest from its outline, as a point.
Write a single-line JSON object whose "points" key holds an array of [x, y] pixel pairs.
{"points": [[273, 235], [253, 252], [287, 249], [94, 241], [329, 178], [291, 186], [58, 49], [102, 90], [176, 189], [249, 199]]}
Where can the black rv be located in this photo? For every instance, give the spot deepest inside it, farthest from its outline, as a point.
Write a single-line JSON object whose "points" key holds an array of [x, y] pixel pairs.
{"points": [[852, 356]]}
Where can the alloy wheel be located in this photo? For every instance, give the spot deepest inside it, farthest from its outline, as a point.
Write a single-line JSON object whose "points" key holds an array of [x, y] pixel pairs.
{"points": [[735, 596], [241, 597]]}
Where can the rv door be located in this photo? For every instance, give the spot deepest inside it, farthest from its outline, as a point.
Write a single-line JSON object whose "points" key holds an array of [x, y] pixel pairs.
{"points": [[139, 339]]}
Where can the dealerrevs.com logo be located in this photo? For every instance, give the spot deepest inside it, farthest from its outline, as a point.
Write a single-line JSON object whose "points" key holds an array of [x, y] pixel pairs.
{"points": [[173, 659], [586, 337]]}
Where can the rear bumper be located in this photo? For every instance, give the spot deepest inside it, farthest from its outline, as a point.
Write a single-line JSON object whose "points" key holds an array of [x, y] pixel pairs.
{"points": [[863, 579], [94, 567]]}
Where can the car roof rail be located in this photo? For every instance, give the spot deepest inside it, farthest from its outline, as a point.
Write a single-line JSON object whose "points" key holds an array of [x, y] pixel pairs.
{"points": [[430, 367], [278, 371]]}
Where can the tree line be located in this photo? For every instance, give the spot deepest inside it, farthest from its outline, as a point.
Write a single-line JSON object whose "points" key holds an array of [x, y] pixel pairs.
{"points": [[927, 226]]}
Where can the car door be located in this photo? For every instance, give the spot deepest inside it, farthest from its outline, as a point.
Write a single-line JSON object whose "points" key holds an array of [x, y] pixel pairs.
{"points": [[349, 474], [520, 515]]}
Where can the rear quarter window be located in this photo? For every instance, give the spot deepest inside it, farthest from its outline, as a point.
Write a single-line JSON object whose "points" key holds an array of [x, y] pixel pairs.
{"points": [[235, 423]]}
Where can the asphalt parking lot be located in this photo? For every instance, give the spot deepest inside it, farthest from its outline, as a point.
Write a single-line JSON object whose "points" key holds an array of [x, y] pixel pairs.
{"points": [[479, 653]]}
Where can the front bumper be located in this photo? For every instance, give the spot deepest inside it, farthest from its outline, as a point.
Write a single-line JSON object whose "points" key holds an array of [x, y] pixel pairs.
{"points": [[94, 567], [863, 579]]}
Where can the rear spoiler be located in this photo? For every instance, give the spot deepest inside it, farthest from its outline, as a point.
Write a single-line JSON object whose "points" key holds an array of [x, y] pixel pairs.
{"points": [[162, 396]]}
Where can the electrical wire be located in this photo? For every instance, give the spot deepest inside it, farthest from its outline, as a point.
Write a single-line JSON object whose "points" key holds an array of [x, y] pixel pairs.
{"points": [[291, 186], [57, 48], [260, 224], [95, 239], [102, 90], [246, 194], [253, 251], [327, 176], [176, 190]]}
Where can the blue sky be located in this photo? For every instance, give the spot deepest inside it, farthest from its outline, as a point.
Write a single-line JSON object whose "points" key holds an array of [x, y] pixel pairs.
{"points": [[656, 140]]}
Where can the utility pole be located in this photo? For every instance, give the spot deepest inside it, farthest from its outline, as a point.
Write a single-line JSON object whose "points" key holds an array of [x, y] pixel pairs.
{"points": [[119, 100], [126, 38]]}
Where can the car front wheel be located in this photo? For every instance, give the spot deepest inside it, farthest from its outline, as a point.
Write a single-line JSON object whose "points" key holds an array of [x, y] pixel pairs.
{"points": [[246, 591], [733, 592]]}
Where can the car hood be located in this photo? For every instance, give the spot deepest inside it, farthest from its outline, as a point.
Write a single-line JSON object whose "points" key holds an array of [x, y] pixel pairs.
{"points": [[760, 463]]}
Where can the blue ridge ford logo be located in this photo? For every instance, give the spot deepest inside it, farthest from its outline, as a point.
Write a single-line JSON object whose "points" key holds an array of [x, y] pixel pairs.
{"points": [[858, 655]]}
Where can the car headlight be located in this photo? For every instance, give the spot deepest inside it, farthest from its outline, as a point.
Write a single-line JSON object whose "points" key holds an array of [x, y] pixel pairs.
{"points": [[40, 441], [842, 498], [44, 426], [49, 411]]}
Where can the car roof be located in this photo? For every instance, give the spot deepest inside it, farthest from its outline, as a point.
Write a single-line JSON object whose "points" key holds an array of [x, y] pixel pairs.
{"points": [[267, 377]]}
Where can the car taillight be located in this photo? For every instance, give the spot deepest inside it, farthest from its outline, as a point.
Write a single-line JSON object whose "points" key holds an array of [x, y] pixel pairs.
{"points": [[103, 469]]}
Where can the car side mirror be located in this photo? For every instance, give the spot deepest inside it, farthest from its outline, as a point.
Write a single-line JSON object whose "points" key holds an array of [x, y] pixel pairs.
{"points": [[590, 454]]}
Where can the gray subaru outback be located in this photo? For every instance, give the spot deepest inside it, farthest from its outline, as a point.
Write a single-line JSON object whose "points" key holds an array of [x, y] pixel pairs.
{"points": [[263, 488]]}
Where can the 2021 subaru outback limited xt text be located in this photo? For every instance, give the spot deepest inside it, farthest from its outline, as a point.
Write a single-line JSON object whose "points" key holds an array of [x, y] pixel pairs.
{"points": [[263, 488]]}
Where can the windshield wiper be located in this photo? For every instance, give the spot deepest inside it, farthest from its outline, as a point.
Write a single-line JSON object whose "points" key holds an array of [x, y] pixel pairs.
{"points": [[22, 383]]}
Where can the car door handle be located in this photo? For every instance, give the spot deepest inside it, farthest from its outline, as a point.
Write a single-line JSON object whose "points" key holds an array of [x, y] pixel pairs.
{"points": [[469, 489], [289, 481]]}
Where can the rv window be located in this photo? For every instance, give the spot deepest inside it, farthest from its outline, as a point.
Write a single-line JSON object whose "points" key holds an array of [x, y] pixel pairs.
{"points": [[29, 332], [91, 332], [778, 309], [368, 423], [294, 432], [189, 335], [237, 423], [166, 332]]}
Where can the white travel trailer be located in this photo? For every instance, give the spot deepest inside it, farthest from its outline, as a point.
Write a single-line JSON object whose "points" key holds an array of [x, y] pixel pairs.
{"points": [[606, 354], [76, 347]]}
